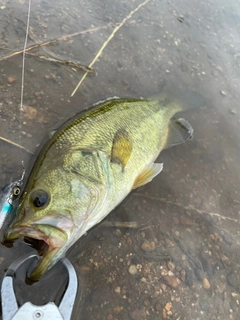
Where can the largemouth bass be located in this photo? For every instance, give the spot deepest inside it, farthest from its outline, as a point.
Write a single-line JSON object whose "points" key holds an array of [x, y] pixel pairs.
{"points": [[91, 163]]}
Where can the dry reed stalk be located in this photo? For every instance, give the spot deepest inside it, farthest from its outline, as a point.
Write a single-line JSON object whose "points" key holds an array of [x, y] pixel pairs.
{"points": [[15, 144], [53, 41], [108, 40]]}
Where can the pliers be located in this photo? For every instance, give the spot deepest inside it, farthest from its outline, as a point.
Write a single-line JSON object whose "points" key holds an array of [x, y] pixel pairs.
{"points": [[12, 311]]}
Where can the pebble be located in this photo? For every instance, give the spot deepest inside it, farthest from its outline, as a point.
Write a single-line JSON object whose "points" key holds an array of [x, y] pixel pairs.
{"points": [[224, 259], [168, 306], [233, 294], [164, 314], [171, 266], [163, 271], [138, 314], [206, 284], [172, 280], [183, 275], [117, 290], [85, 269], [132, 269], [117, 309], [118, 232], [11, 80], [169, 243], [211, 236], [163, 286], [175, 220], [29, 112], [28, 135], [232, 111], [185, 221], [146, 302], [148, 246]]}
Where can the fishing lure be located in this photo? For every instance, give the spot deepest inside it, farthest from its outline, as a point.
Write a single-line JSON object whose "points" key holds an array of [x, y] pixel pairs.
{"points": [[9, 196]]}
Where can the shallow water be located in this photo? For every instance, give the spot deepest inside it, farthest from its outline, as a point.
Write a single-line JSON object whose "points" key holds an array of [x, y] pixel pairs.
{"points": [[188, 216]]}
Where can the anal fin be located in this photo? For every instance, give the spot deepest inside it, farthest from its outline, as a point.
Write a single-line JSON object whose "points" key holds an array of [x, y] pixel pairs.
{"points": [[179, 131], [148, 174]]}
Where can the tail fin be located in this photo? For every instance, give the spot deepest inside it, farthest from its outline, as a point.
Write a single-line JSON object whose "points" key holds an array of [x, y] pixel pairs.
{"points": [[179, 131], [182, 100]]}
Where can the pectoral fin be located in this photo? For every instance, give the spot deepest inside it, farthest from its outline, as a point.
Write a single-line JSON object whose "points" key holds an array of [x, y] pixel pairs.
{"points": [[148, 174], [121, 148], [179, 131]]}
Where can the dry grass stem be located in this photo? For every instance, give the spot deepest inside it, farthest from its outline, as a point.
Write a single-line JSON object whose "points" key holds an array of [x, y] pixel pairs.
{"points": [[54, 41], [15, 144], [27, 49], [107, 41], [120, 224], [190, 207], [66, 62]]}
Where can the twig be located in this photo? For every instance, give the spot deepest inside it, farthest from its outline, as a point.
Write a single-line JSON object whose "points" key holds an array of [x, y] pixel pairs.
{"points": [[15, 144], [120, 224], [107, 41], [197, 263], [190, 207], [53, 41], [51, 56], [27, 49], [67, 62]]}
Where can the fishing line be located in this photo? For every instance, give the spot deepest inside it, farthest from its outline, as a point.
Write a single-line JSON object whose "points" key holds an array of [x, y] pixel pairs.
{"points": [[24, 52], [23, 76]]}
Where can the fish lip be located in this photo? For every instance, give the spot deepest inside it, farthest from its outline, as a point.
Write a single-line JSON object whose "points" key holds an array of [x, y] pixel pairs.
{"points": [[22, 231], [47, 246], [44, 263], [34, 232]]}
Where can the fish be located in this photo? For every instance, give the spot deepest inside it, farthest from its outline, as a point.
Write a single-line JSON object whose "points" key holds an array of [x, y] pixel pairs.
{"points": [[91, 163]]}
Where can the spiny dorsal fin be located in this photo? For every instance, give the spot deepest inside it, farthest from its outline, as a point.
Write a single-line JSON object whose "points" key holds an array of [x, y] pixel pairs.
{"points": [[148, 174], [179, 131], [121, 148]]}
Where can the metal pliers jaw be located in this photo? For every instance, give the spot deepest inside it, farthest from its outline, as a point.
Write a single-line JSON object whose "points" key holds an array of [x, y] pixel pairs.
{"points": [[11, 310]]}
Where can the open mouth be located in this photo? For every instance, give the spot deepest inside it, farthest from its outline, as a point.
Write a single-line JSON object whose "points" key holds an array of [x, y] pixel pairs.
{"points": [[40, 245], [48, 240]]}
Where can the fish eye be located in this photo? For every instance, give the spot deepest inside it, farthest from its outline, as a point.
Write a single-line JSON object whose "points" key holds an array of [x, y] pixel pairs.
{"points": [[16, 190], [39, 198]]}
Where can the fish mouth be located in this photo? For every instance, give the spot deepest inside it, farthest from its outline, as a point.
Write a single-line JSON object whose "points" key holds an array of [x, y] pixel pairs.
{"points": [[46, 239]]}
